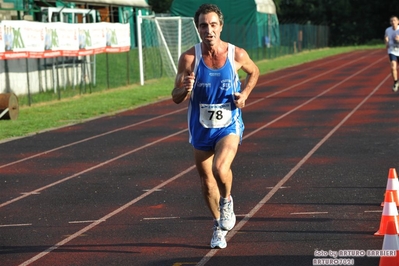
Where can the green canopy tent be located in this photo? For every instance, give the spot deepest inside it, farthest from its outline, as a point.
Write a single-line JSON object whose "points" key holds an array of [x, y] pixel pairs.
{"points": [[247, 23]]}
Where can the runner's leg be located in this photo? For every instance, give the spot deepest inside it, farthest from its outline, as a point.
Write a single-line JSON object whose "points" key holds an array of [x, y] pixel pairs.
{"points": [[225, 152], [209, 186]]}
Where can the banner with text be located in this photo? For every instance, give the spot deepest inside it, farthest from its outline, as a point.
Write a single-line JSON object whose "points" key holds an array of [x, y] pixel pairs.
{"points": [[27, 39]]}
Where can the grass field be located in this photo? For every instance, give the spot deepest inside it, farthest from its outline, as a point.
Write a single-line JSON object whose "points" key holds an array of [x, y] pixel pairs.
{"points": [[43, 116]]}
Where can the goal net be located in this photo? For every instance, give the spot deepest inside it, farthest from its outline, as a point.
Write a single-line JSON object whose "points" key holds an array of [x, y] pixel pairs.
{"points": [[161, 40]]}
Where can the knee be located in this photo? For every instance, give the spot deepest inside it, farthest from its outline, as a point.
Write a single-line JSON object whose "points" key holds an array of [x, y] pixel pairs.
{"points": [[221, 170]]}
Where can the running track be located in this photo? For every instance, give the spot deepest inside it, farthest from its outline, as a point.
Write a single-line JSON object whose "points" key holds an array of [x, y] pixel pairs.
{"points": [[123, 190]]}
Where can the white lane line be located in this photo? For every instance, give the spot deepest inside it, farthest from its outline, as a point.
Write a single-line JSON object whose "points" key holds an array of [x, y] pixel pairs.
{"points": [[307, 69], [91, 168], [30, 193], [269, 195], [310, 100], [242, 222], [14, 225], [314, 77], [90, 138], [161, 218], [83, 222], [374, 211], [248, 135], [148, 120], [120, 156], [106, 217], [307, 213]]}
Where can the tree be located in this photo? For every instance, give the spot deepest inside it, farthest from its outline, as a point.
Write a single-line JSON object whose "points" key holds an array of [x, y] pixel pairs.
{"points": [[160, 6], [351, 22]]}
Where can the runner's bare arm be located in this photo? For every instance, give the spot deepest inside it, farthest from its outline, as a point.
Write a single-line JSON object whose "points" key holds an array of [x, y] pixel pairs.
{"points": [[184, 81], [244, 62], [386, 39]]}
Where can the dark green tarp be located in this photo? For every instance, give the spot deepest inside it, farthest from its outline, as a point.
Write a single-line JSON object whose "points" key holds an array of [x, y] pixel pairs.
{"points": [[243, 26]]}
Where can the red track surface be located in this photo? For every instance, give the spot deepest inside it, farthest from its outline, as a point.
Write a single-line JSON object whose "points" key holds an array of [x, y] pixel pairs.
{"points": [[122, 190]]}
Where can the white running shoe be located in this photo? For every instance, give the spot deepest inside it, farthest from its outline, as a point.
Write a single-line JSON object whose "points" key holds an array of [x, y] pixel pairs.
{"points": [[218, 238], [395, 86], [227, 216]]}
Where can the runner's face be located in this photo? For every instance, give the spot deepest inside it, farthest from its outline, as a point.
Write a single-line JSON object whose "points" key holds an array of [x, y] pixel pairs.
{"points": [[209, 28], [394, 21]]}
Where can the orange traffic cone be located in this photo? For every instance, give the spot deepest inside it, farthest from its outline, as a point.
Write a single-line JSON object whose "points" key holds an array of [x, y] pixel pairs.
{"points": [[391, 245], [389, 213], [393, 185]]}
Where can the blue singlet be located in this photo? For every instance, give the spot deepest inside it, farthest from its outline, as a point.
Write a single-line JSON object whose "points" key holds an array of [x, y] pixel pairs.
{"points": [[212, 113]]}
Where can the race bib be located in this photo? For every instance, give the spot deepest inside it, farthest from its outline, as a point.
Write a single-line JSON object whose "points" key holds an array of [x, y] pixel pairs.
{"points": [[215, 115]]}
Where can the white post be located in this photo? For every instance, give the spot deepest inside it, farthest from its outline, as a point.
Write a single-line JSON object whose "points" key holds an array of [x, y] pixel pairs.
{"points": [[196, 30], [166, 46], [178, 39], [140, 46]]}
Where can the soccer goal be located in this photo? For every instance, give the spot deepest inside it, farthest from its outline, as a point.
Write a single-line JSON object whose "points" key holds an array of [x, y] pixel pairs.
{"points": [[160, 42]]}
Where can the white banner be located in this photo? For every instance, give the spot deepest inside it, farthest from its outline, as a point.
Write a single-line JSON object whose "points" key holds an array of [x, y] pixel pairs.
{"points": [[118, 39], [21, 39], [62, 36]]}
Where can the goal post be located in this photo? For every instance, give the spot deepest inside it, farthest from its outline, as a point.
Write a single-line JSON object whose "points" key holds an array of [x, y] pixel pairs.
{"points": [[161, 40]]}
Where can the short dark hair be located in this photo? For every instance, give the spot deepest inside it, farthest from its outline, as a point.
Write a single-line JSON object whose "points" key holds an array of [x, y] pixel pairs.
{"points": [[208, 8]]}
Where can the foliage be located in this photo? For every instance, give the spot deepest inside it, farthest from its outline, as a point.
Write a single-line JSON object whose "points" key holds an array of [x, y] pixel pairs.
{"points": [[160, 6], [351, 22]]}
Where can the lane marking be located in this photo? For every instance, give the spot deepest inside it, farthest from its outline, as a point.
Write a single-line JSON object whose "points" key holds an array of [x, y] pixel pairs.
{"points": [[314, 77], [90, 138], [306, 69], [307, 213], [106, 217], [269, 195], [91, 168], [151, 119], [14, 225], [142, 147], [30, 193], [374, 211], [310, 100], [83, 222], [161, 218]]}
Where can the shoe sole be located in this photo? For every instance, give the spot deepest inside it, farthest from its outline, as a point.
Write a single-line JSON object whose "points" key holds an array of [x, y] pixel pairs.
{"points": [[219, 247]]}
